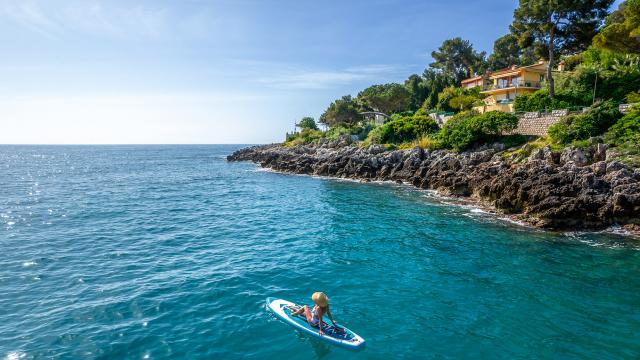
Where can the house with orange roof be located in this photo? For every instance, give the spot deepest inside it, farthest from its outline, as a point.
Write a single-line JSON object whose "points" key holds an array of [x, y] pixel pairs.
{"points": [[476, 81], [503, 86]]}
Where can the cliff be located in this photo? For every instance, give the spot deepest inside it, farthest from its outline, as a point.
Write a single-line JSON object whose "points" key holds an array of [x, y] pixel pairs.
{"points": [[572, 189]]}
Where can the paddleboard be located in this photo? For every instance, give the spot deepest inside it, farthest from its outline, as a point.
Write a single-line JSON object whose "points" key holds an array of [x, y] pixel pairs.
{"points": [[337, 335]]}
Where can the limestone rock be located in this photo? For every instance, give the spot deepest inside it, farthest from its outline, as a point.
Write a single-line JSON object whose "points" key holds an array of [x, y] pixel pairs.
{"points": [[551, 190]]}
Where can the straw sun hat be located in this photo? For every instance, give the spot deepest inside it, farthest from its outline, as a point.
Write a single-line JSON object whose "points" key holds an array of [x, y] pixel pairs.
{"points": [[320, 299]]}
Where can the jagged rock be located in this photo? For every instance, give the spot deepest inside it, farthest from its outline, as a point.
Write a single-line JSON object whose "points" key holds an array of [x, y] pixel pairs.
{"points": [[600, 152], [376, 149], [576, 156], [599, 168], [551, 190], [614, 166], [545, 154], [611, 154]]}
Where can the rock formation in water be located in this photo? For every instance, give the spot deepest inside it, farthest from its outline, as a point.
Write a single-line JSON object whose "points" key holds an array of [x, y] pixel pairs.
{"points": [[572, 189]]}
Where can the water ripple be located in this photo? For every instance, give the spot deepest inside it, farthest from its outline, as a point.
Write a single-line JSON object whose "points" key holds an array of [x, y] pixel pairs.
{"points": [[169, 252]]}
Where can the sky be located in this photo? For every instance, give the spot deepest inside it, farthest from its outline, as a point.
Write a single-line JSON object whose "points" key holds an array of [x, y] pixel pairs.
{"points": [[210, 71]]}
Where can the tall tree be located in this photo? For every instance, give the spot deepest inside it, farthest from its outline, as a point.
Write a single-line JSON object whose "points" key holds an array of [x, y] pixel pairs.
{"points": [[388, 98], [558, 26], [307, 122], [417, 90], [343, 111], [434, 81], [621, 32], [506, 52], [456, 58]]}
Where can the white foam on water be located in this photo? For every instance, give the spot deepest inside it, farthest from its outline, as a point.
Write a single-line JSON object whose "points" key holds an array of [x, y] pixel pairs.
{"points": [[466, 203], [618, 230], [341, 179], [262, 169], [29, 263], [515, 222], [607, 243]]}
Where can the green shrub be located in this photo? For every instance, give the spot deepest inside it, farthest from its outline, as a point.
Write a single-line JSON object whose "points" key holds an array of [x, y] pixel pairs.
{"points": [[307, 122], [337, 131], [541, 101], [374, 137], [399, 115], [599, 57], [407, 128], [572, 61], [455, 99], [463, 102], [404, 129], [627, 130], [560, 132], [365, 129], [633, 97], [581, 127], [422, 111], [617, 84], [617, 75], [428, 141], [306, 136], [467, 129]]}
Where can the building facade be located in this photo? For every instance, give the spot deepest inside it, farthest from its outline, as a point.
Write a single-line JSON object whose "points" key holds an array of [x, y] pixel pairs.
{"points": [[503, 86]]}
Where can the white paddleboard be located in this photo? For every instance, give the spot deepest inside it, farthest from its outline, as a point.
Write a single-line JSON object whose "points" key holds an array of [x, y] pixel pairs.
{"points": [[337, 335]]}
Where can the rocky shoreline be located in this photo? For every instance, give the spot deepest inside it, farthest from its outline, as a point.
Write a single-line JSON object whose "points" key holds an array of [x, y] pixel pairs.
{"points": [[568, 190]]}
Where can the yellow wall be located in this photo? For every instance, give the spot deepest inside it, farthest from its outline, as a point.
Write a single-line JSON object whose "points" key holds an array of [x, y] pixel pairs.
{"points": [[532, 76], [502, 95], [529, 74], [494, 107]]}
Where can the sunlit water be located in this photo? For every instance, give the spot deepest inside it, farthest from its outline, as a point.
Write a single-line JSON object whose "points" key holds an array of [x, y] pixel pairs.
{"points": [[169, 252]]}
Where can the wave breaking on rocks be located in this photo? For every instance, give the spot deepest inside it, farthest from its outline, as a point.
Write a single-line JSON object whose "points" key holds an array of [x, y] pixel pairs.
{"points": [[568, 190]]}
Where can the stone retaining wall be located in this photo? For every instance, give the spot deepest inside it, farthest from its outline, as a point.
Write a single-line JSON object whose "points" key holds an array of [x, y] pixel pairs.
{"points": [[538, 123]]}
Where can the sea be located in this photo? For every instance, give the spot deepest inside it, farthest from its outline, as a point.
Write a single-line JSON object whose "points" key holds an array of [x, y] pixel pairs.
{"points": [[169, 252]]}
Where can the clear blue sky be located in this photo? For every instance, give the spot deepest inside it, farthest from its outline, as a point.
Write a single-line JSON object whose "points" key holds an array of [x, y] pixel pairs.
{"points": [[218, 71]]}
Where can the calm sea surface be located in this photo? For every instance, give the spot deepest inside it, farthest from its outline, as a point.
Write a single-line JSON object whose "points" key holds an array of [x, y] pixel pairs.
{"points": [[135, 252]]}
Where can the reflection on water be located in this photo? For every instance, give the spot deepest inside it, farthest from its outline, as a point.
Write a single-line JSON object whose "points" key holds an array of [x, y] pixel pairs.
{"points": [[170, 251]]}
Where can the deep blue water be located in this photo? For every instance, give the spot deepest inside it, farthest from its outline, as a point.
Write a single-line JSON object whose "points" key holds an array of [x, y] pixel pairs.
{"points": [[116, 252]]}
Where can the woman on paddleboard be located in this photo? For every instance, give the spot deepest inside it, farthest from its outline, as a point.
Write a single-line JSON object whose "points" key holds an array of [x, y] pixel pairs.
{"points": [[314, 316]]}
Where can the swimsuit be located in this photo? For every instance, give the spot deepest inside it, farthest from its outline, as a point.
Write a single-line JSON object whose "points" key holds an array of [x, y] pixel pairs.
{"points": [[314, 317]]}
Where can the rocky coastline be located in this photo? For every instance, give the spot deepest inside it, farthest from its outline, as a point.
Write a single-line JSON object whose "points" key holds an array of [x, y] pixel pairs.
{"points": [[569, 190]]}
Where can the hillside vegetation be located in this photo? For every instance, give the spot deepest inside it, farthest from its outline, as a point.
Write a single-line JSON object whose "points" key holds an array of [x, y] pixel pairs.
{"points": [[602, 59]]}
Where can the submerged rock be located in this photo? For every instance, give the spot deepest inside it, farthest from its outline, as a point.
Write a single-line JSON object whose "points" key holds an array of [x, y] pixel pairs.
{"points": [[574, 189]]}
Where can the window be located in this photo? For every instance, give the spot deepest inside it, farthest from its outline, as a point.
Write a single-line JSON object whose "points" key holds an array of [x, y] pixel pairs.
{"points": [[541, 78], [517, 81]]}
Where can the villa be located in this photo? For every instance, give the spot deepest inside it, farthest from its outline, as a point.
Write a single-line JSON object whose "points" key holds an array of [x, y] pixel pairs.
{"points": [[501, 87], [476, 81]]}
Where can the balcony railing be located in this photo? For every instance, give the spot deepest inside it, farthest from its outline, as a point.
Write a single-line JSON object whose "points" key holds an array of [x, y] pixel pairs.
{"points": [[514, 84]]}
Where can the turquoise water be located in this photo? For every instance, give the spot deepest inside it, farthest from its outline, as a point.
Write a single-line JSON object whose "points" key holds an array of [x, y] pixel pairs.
{"points": [[169, 252]]}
